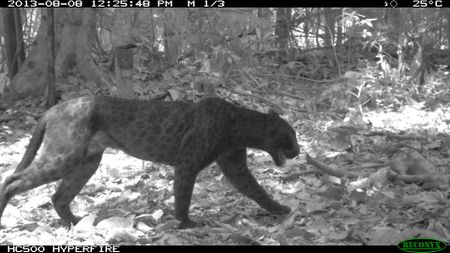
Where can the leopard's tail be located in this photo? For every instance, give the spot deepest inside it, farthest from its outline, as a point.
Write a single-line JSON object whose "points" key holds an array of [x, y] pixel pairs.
{"points": [[33, 146]]}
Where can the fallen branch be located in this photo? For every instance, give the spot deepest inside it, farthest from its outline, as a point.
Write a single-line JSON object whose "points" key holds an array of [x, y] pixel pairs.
{"points": [[299, 77], [428, 182], [295, 175], [398, 136], [379, 178], [6, 118], [327, 169], [275, 106], [374, 165], [241, 68], [281, 93]]}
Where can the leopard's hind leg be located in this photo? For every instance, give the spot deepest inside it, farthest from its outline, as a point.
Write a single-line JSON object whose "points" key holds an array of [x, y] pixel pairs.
{"points": [[61, 155], [48, 168], [71, 185]]}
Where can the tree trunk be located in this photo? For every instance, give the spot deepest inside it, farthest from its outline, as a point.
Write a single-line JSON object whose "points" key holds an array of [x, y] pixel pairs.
{"points": [[306, 28], [264, 13], [171, 44], [74, 38], [330, 23], [339, 34], [400, 44], [283, 28], [20, 49], [12, 29], [318, 25], [447, 11], [51, 90]]}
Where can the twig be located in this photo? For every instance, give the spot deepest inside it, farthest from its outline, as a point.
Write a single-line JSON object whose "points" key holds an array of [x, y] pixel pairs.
{"points": [[6, 118], [284, 94], [375, 166], [255, 96], [246, 73], [398, 136], [277, 93], [17, 114], [327, 169], [303, 78], [35, 116], [294, 175]]}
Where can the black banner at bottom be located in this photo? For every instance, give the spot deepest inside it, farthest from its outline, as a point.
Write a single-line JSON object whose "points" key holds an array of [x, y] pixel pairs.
{"points": [[196, 248]]}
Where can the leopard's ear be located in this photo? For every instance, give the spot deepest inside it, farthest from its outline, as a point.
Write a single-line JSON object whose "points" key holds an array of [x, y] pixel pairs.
{"points": [[275, 110], [272, 111], [273, 115]]}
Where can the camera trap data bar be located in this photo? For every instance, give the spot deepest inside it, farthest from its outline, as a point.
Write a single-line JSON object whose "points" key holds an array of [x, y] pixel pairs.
{"points": [[222, 3]]}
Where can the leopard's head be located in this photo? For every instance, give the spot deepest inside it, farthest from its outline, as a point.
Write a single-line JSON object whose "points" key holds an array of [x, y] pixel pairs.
{"points": [[280, 140]]}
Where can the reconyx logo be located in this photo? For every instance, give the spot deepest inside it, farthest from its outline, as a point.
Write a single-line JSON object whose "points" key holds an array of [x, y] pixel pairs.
{"points": [[422, 245]]}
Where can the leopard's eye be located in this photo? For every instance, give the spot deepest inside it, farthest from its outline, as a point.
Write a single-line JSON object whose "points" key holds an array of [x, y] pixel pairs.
{"points": [[285, 142]]}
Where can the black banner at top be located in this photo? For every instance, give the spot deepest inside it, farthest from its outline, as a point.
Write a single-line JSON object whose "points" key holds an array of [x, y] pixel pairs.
{"points": [[420, 4]]}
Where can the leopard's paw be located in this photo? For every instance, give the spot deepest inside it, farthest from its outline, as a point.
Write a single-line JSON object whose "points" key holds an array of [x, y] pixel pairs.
{"points": [[189, 224], [279, 210]]}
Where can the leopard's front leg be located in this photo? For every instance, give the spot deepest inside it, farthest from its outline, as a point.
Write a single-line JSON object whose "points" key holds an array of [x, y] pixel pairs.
{"points": [[193, 157], [183, 187], [234, 167]]}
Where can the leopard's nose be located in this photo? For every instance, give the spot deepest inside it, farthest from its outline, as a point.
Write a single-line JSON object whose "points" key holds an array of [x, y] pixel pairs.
{"points": [[293, 152]]}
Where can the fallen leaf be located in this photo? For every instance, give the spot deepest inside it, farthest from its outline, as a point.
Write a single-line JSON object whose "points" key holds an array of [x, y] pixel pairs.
{"points": [[174, 94], [114, 173], [389, 194], [121, 236], [86, 223], [144, 227], [434, 145], [338, 235], [242, 240], [157, 214], [219, 230], [263, 159], [29, 226], [117, 222], [315, 207], [167, 225], [44, 228], [294, 232]]}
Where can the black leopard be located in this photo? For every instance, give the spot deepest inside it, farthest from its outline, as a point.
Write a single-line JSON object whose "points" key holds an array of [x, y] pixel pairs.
{"points": [[188, 136]]}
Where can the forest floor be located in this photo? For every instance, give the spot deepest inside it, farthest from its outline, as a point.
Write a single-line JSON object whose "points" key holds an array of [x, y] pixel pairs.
{"points": [[130, 201]]}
